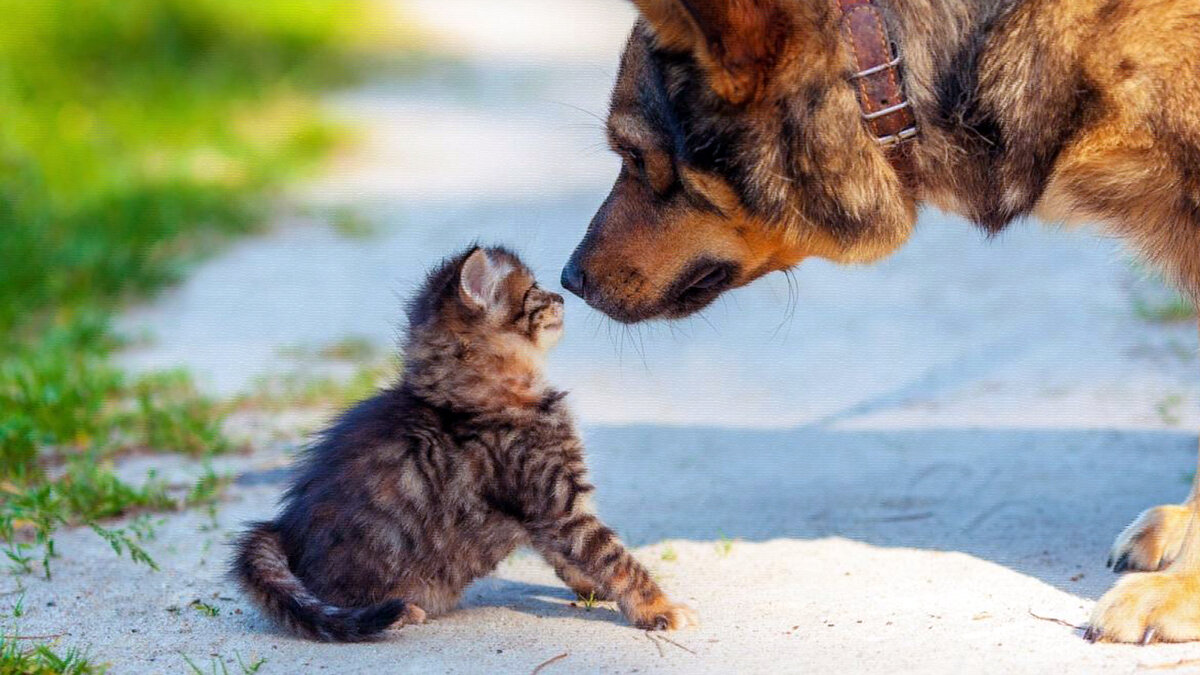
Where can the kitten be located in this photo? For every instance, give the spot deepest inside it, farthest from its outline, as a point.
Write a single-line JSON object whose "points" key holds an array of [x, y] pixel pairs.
{"points": [[428, 485]]}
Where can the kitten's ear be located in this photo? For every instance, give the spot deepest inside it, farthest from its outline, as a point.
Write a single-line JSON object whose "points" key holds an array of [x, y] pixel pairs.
{"points": [[480, 279]]}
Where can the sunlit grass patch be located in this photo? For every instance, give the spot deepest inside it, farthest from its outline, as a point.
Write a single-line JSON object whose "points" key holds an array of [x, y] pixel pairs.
{"points": [[352, 224], [305, 386], [1173, 309], [217, 665], [26, 658], [1155, 300], [89, 493], [668, 554], [135, 137], [32, 655]]}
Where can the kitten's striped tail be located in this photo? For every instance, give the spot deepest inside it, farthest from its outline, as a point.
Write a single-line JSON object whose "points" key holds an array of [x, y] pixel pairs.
{"points": [[262, 569]]}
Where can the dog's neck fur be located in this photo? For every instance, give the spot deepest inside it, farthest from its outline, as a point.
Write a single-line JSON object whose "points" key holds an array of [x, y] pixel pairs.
{"points": [[996, 94], [971, 86], [843, 197]]}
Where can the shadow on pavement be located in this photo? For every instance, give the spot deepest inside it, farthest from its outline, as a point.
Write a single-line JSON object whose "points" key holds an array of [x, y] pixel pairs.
{"points": [[1046, 503]]}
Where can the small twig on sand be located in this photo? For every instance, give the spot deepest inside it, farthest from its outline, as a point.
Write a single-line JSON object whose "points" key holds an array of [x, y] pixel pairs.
{"points": [[1057, 621], [34, 637], [650, 637], [669, 640], [1168, 666], [547, 662]]}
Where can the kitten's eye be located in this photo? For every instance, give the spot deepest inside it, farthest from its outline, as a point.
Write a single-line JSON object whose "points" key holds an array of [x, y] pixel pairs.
{"points": [[528, 292]]}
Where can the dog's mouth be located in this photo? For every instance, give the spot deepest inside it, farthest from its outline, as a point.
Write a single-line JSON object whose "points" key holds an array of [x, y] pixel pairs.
{"points": [[700, 284]]}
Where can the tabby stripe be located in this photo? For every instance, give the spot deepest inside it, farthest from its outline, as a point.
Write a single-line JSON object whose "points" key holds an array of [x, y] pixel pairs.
{"points": [[550, 490], [419, 465], [596, 542], [612, 558], [567, 530], [572, 493]]}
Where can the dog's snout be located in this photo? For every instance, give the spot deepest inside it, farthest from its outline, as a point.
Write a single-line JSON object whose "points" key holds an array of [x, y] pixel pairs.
{"points": [[573, 278]]}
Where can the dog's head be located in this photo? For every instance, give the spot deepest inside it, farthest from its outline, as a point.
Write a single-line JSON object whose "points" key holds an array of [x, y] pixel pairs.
{"points": [[742, 154]]}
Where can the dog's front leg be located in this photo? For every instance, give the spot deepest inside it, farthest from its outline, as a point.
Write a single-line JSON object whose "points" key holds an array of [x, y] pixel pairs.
{"points": [[1154, 539], [1161, 601]]}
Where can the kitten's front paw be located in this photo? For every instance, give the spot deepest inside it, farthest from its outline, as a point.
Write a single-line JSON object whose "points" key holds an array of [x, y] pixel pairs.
{"points": [[1152, 540], [665, 615], [1149, 607]]}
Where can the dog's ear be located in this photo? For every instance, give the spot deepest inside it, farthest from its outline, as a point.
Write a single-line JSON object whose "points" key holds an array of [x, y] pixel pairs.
{"points": [[736, 41]]}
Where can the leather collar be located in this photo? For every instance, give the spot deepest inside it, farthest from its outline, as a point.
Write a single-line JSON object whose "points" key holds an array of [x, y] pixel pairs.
{"points": [[879, 81]]}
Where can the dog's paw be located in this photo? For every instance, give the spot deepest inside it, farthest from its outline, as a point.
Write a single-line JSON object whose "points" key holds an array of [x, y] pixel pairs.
{"points": [[1148, 607], [1152, 540], [665, 615]]}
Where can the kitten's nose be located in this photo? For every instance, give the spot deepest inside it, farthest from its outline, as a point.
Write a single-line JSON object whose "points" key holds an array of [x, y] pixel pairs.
{"points": [[573, 279]]}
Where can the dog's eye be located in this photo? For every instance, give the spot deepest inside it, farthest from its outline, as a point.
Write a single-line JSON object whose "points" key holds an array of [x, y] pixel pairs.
{"points": [[637, 159]]}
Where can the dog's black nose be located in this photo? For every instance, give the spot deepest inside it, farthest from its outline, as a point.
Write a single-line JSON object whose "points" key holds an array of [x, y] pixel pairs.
{"points": [[573, 279]]}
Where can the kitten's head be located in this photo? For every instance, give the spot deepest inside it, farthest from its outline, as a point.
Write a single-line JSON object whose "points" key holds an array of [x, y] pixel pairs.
{"points": [[488, 297]]}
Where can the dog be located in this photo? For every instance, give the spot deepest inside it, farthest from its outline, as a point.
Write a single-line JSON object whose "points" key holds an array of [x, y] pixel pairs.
{"points": [[758, 133]]}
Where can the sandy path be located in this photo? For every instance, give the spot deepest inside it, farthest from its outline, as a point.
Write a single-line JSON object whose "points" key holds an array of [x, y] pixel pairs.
{"points": [[926, 452]]}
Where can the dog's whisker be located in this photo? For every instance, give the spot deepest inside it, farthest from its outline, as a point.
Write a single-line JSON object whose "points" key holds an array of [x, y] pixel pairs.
{"points": [[582, 110]]}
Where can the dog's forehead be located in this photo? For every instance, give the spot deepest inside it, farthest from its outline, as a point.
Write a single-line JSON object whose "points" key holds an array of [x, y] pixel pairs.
{"points": [[632, 69], [641, 111]]}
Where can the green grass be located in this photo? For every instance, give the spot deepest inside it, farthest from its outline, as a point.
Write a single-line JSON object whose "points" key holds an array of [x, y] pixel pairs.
{"points": [[352, 224], [19, 657], [589, 602], [1168, 409], [724, 545], [1155, 300], [1174, 309], [301, 387], [204, 608], [217, 665], [24, 654], [135, 137]]}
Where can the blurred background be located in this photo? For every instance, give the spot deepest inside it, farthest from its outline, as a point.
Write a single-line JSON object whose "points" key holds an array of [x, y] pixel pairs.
{"points": [[137, 138], [211, 211]]}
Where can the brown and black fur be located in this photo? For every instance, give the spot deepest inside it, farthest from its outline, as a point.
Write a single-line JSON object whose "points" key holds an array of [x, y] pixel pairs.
{"points": [[419, 490], [745, 153]]}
